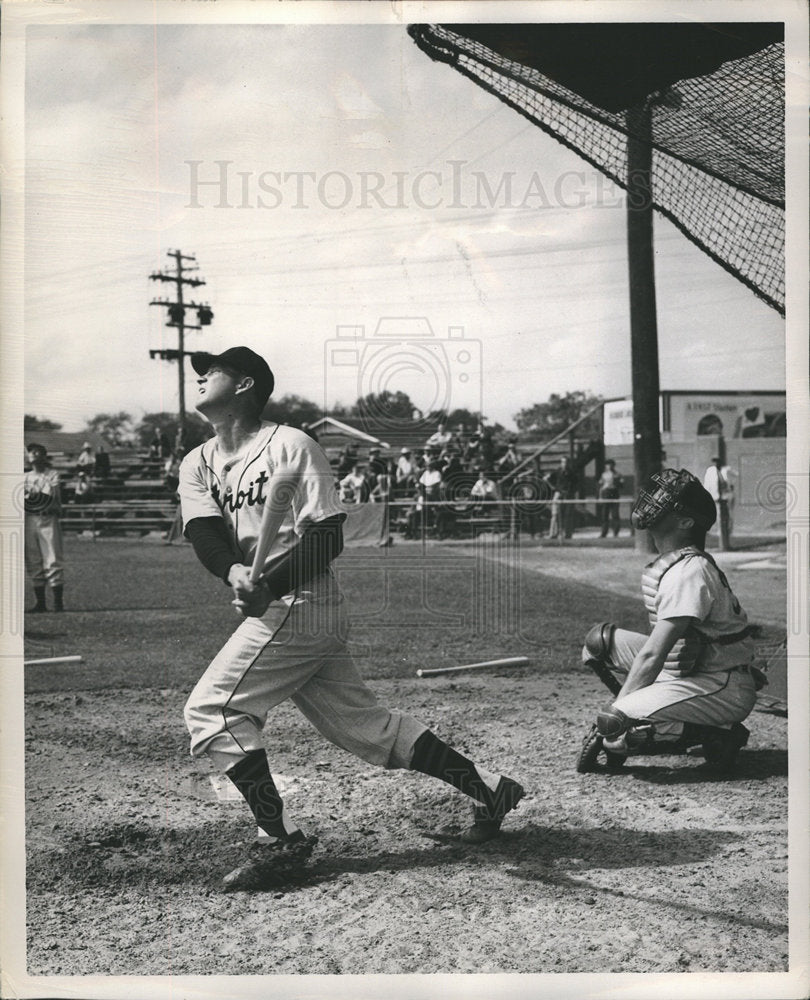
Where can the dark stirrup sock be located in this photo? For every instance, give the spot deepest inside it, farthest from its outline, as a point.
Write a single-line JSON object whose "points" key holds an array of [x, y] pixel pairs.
{"points": [[255, 783], [434, 757]]}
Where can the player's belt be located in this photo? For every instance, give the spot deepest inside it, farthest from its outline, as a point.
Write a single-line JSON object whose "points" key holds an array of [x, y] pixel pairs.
{"points": [[729, 640]]}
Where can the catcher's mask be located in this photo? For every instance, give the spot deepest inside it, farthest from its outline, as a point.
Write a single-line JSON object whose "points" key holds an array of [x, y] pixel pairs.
{"points": [[677, 492]]}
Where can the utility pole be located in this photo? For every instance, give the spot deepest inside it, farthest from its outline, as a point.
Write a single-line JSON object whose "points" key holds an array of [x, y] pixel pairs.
{"points": [[177, 319], [643, 321]]}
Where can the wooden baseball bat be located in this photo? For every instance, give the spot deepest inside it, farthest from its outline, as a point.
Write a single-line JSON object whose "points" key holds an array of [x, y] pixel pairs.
{"points": [[509, 661], [277, 504], [53, 659]]}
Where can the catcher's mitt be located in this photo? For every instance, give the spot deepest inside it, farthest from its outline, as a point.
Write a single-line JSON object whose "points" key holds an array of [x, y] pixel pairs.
{"points": [[588, 759]]}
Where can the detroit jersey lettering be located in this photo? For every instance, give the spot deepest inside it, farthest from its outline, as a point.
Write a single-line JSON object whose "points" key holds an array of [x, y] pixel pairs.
{"points": [[237, 488]]}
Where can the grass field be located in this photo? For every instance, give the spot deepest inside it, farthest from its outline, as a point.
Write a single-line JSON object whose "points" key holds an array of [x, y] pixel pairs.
{"points": [[663, 868]]}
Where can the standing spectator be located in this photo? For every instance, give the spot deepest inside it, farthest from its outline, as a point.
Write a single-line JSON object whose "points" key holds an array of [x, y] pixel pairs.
{"points": [[86, 461], [564, 482], [101, 468], [608, 488], [159, 447], [44, 561], [180, 442], [430, 487], [485, 446], [353, 487], [528, 493], [171, 480], [718, 482], [171, 473]]}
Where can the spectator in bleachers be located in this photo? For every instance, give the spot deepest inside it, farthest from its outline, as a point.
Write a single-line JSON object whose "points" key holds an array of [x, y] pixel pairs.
{"points": [[381, 491], [405, 476], [481, 450], [460, 439], [353, 486], [431, 479], [484, 489], [451, 465], [440, 438], [87, 460], [347, 459], [83, 491], [509, 460], [376, 466], [101, 469]]}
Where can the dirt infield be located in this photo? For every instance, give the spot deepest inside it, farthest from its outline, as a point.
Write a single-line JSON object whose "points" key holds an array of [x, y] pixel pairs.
{"points": [[662, 868]]}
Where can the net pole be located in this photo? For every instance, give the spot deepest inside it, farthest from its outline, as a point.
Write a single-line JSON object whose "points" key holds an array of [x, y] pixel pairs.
{"points": [[643, 323]]}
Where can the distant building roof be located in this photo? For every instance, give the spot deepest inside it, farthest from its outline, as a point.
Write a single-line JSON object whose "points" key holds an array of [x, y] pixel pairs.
{"points": [[327, 425]]}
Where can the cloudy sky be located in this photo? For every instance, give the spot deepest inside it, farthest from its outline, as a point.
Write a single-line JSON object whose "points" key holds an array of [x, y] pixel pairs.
{"points": [[326, 177]]}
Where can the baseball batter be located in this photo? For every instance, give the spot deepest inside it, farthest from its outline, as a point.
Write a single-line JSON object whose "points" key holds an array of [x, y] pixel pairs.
{"points": [[692, 679], [292, 640], [44, 561]]}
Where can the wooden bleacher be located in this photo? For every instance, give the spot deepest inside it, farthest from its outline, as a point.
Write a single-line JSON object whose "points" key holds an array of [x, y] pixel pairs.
{"points": [[133, 499]]}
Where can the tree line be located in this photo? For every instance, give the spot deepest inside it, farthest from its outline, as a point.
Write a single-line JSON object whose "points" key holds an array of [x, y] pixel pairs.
{"points": [[540, 422]]}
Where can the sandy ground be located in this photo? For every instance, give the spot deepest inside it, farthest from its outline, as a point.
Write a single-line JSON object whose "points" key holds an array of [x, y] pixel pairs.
{"points": [[661, 868]]}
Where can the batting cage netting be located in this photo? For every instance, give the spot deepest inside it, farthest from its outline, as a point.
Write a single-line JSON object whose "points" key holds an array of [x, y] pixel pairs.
{"points": [[713, 103]]}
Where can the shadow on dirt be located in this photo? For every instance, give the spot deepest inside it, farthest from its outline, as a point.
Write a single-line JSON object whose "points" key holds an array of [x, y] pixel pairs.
{"points": [[610, 896], [116, 857], [752, 765]]}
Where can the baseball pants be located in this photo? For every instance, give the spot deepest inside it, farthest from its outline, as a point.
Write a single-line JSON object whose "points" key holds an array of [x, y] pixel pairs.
{"points": [[709, 699], [295, 651], [44, 561]]}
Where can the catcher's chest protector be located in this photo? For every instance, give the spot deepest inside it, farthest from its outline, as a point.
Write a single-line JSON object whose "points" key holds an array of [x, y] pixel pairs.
{"points": [[684, 657]]}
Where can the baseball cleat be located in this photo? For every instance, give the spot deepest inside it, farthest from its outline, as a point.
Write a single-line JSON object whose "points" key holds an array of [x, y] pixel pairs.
{"points": [[720, 746], [271, 865], [487, 818]]}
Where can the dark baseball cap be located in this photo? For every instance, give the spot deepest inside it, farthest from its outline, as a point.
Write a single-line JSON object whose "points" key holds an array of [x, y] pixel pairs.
{"points": [[242, 360], [698, 503]]}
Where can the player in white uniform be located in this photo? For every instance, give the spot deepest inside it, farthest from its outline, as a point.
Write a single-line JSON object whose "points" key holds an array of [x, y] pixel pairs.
{"points": [[692, 680], [44, 561], [292, 641]]}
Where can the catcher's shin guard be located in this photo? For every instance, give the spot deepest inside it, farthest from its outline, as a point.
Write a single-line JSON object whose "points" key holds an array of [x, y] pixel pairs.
{"points": [[596, 655]]}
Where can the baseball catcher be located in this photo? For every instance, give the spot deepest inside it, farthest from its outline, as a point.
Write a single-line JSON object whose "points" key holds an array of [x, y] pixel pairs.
{"points": [[291, 642], [692, 681]]}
